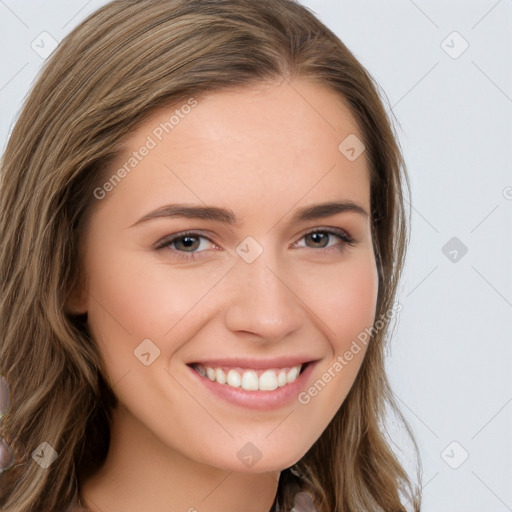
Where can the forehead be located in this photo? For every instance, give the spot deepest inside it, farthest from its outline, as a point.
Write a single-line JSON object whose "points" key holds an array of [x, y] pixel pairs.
{"points": [[255, 145]]}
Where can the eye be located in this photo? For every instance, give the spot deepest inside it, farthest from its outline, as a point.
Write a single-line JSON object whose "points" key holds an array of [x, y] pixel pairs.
{"points": [[321, 238], [188, 245]]}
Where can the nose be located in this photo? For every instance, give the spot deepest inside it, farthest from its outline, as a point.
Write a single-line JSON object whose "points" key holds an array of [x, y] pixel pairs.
{"points": [[261, 300]]}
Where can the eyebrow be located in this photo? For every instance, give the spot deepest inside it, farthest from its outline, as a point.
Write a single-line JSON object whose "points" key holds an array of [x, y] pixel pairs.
{"points": [[227, 216]]}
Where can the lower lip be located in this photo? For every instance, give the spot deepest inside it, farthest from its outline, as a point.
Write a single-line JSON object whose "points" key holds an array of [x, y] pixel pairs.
{"points": [[261, 400]]}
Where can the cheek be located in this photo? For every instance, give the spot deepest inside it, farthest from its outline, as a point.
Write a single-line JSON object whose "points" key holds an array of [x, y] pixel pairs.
{"points": [[145, 299], [346, 308], [344, 299], [133, 300], [356, 308]]}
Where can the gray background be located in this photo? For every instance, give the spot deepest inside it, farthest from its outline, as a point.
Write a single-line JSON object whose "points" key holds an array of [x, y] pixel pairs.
{"points": [[450, 358]]}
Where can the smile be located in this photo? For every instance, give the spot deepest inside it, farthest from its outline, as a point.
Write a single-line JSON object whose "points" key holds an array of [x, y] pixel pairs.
{"points": [[251, 379]]}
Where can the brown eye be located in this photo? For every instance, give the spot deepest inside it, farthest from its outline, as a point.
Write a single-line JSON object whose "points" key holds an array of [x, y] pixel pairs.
{"points": [[186, 243], [319, 238]]}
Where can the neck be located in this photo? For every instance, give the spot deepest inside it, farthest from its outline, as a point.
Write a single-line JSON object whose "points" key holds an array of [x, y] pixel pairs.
{"points": [[140, 473]]}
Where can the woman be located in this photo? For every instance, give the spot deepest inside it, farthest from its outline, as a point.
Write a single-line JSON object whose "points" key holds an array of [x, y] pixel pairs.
{"points": [[203, 231]]}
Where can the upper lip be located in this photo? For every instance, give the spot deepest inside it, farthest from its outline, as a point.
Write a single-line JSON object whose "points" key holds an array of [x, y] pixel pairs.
{"points": [[256, 363]]}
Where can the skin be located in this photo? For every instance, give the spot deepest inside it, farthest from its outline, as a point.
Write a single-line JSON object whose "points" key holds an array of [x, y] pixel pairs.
{"points": [[262, 152]]}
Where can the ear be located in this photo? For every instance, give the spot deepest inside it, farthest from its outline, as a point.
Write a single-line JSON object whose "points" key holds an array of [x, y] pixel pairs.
{"points": [[75, 306], [77, 301]]}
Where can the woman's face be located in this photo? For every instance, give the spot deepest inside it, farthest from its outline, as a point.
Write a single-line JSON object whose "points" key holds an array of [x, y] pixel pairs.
{"points": [[265, 281]]}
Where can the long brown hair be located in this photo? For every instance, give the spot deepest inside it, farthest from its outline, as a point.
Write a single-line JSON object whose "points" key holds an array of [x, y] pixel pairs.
{"points": [[123, 62]]}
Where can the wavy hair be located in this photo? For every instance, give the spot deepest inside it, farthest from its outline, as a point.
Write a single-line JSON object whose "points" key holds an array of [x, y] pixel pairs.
{"points": [[126, 60]]}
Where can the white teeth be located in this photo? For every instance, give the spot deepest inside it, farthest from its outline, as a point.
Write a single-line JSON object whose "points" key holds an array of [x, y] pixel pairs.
{"points": [[267, 380], [220, 376], [292, 374], [234, 379], [250, 380]]}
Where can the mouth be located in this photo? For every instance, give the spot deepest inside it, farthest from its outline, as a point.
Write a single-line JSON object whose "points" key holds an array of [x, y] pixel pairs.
{"points": [[250, 378]]}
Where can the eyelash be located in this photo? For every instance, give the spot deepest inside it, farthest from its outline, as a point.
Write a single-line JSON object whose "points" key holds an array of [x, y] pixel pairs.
{"points": [[167, 241]]}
